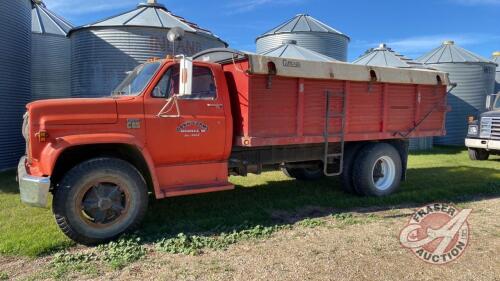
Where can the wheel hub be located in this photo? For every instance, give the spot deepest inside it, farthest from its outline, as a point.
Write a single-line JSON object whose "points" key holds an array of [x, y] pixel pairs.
{"points": [[384, 173], [103, 203]]}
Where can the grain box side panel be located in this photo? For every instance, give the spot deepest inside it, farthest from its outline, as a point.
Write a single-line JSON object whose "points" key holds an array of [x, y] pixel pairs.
{"points": [[402, 100], [273, 111], [315, 106], [364, 111], [431, 105]]}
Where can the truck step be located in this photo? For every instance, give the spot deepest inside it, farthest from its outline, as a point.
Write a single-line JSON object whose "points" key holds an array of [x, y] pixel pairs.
{"points": [[196, 189], [334, 155]]}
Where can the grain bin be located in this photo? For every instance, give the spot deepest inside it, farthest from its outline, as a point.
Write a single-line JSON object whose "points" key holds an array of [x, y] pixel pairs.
{"points": [[309, 33], [387, 57], [474, 77], [15, 77], [291, 50], [50, 53], [496, 59], [103, 52]]}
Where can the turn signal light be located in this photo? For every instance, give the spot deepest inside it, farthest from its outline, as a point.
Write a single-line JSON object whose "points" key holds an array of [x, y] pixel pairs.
{"points": [[42, 136]]}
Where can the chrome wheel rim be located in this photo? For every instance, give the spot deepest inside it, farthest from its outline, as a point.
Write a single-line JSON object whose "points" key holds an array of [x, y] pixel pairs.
{"points": [[383, 173]]}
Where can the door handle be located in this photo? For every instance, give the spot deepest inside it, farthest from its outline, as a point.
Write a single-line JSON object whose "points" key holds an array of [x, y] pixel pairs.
{"points": [[217, 105]]}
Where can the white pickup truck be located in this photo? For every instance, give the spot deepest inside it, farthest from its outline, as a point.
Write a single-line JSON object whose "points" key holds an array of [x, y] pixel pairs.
{"points": [[483, 137]]}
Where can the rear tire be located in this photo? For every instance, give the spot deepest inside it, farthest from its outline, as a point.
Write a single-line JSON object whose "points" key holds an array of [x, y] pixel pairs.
{"points": [[477, 154], [303, 174], [377, 170], [346, 178], [99, 200]]}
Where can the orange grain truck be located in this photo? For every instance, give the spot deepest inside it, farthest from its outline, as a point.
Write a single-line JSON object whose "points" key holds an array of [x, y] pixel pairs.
{"points": [[181, 126]]}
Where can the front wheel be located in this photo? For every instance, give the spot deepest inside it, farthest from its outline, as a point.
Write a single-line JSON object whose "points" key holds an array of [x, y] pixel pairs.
{"points": [[377, 170], [100, 199], [478, 154]]}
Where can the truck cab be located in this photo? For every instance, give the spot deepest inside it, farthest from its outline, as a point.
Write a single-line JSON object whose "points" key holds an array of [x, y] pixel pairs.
{"points": [[110, 152], [483, 136]]}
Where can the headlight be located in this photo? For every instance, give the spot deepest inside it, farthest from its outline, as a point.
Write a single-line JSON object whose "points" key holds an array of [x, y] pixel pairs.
{"points": [[473, 130], [486, 124]]}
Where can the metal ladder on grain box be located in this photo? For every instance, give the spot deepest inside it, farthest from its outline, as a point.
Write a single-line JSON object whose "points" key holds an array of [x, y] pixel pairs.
{"points": [[330, 157]]}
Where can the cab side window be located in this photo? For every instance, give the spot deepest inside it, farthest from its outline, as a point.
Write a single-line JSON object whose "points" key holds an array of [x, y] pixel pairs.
{"points": [[203, 84], [168, 85]]}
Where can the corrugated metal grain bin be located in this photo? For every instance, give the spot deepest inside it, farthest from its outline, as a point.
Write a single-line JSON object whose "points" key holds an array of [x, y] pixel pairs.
{"points": [[386, 57], [291, 50], [103, 52], [309, 33], [15, 77], [496, 59], [474, 77], [50, 53]]}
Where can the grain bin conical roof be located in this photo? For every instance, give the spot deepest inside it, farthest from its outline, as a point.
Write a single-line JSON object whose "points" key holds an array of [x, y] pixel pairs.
{"points": [[44, 21], [449, 52], [303, 23], [291, 50], [383, 56], [150, 14], [496, 59]]}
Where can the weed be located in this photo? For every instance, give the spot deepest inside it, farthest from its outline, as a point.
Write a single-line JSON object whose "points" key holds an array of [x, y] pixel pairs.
{"points": [[311, 223], [346, 219], [122, 252], [194, 244], [116, 254], [4, 275]]}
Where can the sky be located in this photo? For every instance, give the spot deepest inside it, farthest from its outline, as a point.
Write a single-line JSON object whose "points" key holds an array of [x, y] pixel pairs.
{"points": [[411, 28]]}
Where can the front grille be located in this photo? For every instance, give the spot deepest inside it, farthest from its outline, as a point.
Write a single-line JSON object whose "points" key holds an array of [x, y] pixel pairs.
{"points": [[495, 129]]}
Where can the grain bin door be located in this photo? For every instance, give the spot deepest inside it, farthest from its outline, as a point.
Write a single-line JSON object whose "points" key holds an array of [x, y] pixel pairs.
{"points": [[196, 133]]}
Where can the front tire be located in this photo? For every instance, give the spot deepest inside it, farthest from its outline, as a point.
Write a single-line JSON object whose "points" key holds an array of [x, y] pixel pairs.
{"points": [[476, 154], [377, 170], [99, 200]]}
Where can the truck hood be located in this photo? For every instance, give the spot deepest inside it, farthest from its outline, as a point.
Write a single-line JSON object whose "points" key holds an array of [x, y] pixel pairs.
{"points": [[495, 113], [73, 111]]}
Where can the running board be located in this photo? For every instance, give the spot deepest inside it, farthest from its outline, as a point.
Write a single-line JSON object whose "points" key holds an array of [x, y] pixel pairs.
{"points": [[197, 189]]}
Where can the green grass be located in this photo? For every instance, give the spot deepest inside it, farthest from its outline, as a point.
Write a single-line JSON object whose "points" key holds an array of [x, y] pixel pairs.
{"points": [[445, 174]]}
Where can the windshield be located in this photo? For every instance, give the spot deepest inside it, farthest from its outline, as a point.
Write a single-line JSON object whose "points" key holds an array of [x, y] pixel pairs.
{"points": [[497, 103], [137, 80]]}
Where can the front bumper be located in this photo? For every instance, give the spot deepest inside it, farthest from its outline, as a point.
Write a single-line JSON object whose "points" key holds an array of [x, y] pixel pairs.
{"points": [[483, 144], [34, 190]]}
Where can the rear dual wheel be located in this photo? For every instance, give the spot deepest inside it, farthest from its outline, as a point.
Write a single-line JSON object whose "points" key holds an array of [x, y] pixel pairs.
{"points": [[377, 170], [99, 200], [312, 173]]}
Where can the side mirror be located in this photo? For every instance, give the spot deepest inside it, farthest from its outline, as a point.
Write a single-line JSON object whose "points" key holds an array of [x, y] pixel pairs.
{"points": [[186, 76], [489, 99]]}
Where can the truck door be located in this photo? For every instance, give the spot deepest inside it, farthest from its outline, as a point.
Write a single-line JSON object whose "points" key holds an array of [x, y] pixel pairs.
{"points": [[195, 136]]}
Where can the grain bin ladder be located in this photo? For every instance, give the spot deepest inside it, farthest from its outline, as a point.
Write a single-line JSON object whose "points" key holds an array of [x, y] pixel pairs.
{"points": [[328, 156]]}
